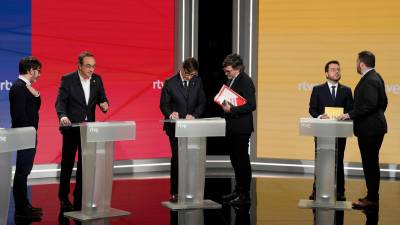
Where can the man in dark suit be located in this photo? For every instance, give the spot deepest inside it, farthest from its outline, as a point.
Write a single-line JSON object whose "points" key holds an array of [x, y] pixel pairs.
{"points": [[239, 126], [182, 97], [332, 94], [24, 109], [369, 125], [78, 95]]}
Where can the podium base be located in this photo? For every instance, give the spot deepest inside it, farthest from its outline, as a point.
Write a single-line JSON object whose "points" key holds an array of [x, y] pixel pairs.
{"points": [[206, 204], [78, 215], [338, 205]]}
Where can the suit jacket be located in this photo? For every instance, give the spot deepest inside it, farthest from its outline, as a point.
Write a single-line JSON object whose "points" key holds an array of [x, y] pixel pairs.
{"points": [[370, 102], [71, 98], [174, 99], [240, 119], [321, 97], [24, 107]]}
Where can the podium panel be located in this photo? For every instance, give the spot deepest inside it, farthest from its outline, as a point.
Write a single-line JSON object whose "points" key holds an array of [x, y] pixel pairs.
{"points": [[192, 141], [11, 140], [326, 133], [97, 141]]}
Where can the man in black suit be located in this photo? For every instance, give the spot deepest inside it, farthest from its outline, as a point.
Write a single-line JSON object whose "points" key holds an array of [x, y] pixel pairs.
{"points": [[182, 97], [78, 95], [369, 125], [332, 94], [239, 126], [24, 109]]}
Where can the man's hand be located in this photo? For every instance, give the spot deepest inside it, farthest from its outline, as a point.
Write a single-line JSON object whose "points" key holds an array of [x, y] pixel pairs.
{"points": [[64, 121], [226, 106], [104, 106], [324, 116], [174, 116], [189, 117], [33, 91], [343, 117]]}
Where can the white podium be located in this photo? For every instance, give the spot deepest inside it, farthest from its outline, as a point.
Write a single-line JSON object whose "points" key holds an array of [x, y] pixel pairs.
{"points": [[97, 141], [191, 136], [326, 133], [11, 140]]}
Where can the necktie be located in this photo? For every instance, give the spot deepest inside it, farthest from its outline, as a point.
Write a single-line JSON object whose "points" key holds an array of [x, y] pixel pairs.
{"points": [[185, 86], [333, 92]]}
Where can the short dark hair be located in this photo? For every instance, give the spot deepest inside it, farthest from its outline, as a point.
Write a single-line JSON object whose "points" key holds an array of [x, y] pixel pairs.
{"points": [[329, 63], [233, 60], [190, 65], [28, 63], [367, 57], [83, 55]]}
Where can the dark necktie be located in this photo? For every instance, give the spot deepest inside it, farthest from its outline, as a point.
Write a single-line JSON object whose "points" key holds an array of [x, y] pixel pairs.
{"points": [[333, 93], [185, 86]]}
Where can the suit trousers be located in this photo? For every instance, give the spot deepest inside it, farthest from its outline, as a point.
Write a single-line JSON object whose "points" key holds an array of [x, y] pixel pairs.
{"points": [[174, 170], [23, 168], [340, 183], [238, 147], [71, 144], [369, 149]]}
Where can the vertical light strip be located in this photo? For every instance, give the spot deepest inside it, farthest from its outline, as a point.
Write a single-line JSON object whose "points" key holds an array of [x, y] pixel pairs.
{"points": [[183, 32], [192, 35], [238, 27], [251, 38]]}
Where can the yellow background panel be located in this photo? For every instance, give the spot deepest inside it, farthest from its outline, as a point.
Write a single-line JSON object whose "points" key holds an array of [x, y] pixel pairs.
{"points": [[296, 39]]}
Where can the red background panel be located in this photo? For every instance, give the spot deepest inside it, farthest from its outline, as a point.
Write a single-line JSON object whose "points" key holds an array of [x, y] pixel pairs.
{"points": [[133, 45]]}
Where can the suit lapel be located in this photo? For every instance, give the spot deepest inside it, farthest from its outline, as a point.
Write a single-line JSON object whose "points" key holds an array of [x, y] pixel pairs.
{"points": [[179, 85], [328, 93], [236, 81], [93, 84]]}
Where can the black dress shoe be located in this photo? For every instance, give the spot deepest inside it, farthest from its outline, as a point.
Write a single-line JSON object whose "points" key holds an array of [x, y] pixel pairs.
{"points": [[240, 200], [173, 198], [366, 204], [26, 214], [229, 197], [35, 209], [66, 206]]}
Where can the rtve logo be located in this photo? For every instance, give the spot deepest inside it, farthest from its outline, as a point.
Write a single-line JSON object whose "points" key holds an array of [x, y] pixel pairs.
{"points": [[183, 126], [94, 130]]}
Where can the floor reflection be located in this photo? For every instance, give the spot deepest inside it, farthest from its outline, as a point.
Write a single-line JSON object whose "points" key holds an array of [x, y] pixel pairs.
{"points": [[273, 202]]}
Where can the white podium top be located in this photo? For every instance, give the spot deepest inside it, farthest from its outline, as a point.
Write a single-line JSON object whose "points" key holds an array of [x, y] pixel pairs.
{"points": [[325, 128], [206, 127], [13, 139], [109, 131]]}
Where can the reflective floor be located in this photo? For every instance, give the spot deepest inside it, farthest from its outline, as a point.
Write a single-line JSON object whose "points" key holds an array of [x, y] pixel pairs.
{"points": [[274, 202]]}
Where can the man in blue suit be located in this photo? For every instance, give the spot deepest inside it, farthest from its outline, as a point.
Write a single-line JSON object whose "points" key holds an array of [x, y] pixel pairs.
{"points": [[332, 94]]}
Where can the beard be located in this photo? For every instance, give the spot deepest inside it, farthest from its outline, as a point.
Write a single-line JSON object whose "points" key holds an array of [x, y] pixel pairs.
{"points": [[358, 69]]}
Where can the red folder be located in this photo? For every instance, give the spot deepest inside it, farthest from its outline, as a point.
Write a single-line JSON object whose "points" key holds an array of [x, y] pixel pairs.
{"points": [[229, 95]]}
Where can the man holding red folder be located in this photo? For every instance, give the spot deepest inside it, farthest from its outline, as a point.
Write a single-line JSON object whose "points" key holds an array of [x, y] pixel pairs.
{"points": [[239, 126]]}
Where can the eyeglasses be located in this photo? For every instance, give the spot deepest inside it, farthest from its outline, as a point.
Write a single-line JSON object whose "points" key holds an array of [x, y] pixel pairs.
{"points": [[334, 69], [88, 66], [190, 74]]}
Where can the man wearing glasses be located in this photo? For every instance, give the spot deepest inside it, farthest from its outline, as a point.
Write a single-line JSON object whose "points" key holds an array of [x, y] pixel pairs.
{"points": [[78, 95], [239, 126], [24, 109], [182, 97]]}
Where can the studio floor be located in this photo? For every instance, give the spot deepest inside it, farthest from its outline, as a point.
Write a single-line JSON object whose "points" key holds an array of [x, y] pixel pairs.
{"points": [[274, 202]]}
